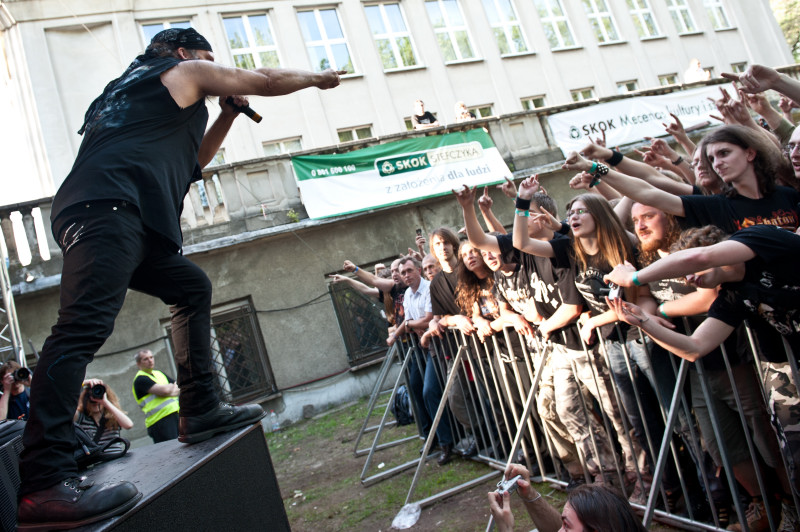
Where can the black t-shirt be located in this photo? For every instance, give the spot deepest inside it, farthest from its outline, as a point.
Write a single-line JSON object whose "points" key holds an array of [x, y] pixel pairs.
{"points": [[142, 385], [589, 283], [671, 289], [425, 118], [140, 147], [735, 213], [769, 291], [18, 406], [443, 294], [539, 283]]}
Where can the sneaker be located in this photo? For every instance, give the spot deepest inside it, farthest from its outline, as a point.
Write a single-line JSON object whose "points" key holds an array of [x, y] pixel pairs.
{"points": [[74, 502], [222, 418], [789, 520], [757, 520]]}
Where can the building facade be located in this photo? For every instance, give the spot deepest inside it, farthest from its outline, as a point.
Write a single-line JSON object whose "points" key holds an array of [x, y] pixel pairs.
{"points": [[497, 56]]}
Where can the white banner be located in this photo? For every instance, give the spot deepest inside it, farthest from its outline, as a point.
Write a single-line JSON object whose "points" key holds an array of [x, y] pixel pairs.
{"points": [[631, 119], [397, 172]]}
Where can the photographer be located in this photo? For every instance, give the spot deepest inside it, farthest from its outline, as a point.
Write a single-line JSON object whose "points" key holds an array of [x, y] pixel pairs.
{"points": [[99, 412], [14, 401]]}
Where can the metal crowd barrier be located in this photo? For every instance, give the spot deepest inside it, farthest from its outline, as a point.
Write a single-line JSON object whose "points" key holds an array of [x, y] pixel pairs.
{"points": [[489, 396]]}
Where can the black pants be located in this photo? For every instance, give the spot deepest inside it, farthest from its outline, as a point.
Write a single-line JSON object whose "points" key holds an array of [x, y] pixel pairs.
{"points": [[107, 249], [164, 429]]}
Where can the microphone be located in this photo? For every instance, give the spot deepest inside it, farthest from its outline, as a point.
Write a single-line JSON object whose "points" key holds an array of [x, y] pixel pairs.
{"points": [[246, 109]]}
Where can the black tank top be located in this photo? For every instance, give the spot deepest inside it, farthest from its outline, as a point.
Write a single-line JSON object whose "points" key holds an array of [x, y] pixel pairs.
{"points": [[139, 147]]}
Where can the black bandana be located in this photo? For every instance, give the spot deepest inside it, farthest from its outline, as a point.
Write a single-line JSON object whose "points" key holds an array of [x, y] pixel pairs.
{"points": [[174, 38], [182, 38]]}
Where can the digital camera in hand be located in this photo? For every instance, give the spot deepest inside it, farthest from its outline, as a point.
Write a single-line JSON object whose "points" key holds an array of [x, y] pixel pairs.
{"points": [[509, 485]]}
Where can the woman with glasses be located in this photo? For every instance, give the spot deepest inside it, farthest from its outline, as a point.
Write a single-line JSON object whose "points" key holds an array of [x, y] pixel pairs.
{"points": [[599, 242], [743, 159]]}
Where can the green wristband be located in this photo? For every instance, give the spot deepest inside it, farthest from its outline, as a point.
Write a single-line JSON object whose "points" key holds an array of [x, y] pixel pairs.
{"points": [[661, 311], [636, 279]]}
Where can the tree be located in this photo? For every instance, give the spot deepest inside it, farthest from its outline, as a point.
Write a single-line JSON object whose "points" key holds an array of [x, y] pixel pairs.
{"points": [[787, 13]]}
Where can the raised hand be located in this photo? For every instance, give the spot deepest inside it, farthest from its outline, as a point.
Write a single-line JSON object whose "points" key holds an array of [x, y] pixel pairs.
{"points": [[485, 202], [508, 188], [465, 196]]}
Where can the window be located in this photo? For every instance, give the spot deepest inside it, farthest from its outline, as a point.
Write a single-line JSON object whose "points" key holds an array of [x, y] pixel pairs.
{"points": [[325, 41], [555, 23], [738, 68], [409, 124], [150, 29], [251, 40], [668, 79], [481, 111], [391, 35], [626, 86], [716, 12], [601, 20], [534, 102], [643, 18], [219, 158], [362, 132], [451, 30], [277, 147], [242, 372], [505, 26], [361, 321], [579, 95], [681, 16]]}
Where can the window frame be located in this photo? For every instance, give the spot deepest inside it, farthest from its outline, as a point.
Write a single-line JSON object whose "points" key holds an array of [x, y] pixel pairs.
{"points": [[354, 131], [281, 143], [639, 13], [165, 25], [579, 92], [675, 7], [325, 42], [530, 100], [450, 31], [392, 36], [716, 9], [506, 27], [661, 79], [596, 19], [553, 20], [252, 49], [621, 84]]}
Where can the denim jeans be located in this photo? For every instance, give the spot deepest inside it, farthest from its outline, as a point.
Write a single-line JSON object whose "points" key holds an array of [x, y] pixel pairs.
{"points": [[107, 249], [426, 391]]}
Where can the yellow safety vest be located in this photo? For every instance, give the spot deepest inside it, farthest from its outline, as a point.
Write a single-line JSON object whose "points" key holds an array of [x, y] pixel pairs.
{"points": [[155, 408]]}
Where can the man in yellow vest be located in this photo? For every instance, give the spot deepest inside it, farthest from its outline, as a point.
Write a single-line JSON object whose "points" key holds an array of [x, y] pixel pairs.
{"points": [[157, 396]]}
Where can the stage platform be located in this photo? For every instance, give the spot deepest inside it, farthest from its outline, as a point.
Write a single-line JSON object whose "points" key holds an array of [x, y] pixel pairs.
{"points": [[225, 483]]}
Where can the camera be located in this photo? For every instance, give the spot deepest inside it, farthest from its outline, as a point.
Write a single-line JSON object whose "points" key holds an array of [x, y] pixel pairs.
{"points": [[614, 291], [97, 391], [22, 374], [509, 485], [419, 231]]}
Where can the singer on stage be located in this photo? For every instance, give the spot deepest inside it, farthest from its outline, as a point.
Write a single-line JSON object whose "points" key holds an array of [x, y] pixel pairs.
{"points": [[116, 218]]}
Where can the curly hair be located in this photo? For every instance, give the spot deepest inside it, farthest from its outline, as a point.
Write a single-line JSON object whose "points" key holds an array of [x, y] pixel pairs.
{"points": [[698, 237], [769, 164], [469, 285]]}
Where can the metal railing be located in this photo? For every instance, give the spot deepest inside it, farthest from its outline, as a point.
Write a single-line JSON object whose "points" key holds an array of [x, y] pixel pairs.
{"points": [[499, 394]]}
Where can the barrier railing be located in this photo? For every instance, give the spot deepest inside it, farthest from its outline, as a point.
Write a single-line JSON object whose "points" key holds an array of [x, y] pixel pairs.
{"points": [[498, 393]]}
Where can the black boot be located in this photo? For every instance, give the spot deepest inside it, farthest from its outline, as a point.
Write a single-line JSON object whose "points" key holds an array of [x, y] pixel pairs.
{"points": [[222, 418], [73, 503], [447, 454]]}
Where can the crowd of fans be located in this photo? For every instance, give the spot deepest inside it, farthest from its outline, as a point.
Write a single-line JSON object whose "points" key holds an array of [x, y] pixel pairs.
{"points": [[656, 261]]}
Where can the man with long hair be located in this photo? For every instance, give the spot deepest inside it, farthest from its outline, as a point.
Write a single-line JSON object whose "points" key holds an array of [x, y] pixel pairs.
{"points": [[116, 218]]}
